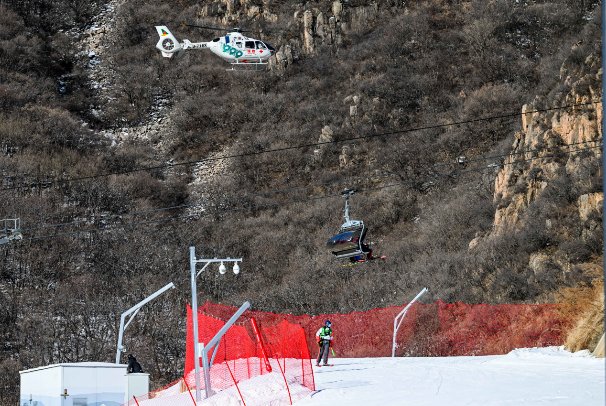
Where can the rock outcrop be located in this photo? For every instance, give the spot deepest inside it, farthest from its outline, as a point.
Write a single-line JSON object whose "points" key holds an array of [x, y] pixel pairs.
{"points": [[328, 27], [553, 144], [552, 181]]}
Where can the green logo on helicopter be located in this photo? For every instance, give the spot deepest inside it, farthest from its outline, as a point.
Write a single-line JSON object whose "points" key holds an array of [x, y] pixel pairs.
{"points": [[232, 51]]}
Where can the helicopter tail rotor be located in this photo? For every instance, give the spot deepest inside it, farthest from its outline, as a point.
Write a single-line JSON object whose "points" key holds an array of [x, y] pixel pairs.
{"points": [[167, 44]]}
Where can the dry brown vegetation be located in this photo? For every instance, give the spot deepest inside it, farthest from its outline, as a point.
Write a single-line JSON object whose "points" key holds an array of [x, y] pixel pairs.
{"points": [[95, 246], [584, 306]]}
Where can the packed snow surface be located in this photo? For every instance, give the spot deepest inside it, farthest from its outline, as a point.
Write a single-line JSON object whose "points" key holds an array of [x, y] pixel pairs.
{"points": [[530, 377], [261, 390]]}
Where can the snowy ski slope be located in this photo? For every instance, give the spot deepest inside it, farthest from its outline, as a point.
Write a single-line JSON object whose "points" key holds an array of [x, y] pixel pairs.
{"points": [[529, 377]]}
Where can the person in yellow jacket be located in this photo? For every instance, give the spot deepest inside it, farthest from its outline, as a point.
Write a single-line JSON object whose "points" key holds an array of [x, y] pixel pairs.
{"points": [[324, 338]]}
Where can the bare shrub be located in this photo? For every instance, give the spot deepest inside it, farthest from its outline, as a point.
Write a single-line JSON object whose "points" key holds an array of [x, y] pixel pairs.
{"points": [[586, 306]]}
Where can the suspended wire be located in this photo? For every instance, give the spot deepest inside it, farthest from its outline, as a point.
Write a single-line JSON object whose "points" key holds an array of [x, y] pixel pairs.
{"points": [[275, 191], [495, 165], [106, 217], [521, 152], [308, 145], [184, 206], [268, 206], [327, 183]]}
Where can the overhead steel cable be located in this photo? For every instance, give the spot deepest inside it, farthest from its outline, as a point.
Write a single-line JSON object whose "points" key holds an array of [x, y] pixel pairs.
{"points": [[521, 152], [106, 217], [486, 168], [302, 146], [307, 198]]}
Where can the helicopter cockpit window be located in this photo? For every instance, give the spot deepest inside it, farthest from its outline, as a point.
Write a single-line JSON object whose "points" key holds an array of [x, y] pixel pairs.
{"points": [[249, 44], [260, 45]]}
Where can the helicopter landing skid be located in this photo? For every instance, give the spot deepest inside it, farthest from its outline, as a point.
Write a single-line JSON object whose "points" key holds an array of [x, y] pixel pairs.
{"points": [[247, 66]]}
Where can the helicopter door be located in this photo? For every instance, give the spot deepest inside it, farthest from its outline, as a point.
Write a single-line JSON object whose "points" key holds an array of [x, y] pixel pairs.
{"points": [[348, 243], [250, 49]]}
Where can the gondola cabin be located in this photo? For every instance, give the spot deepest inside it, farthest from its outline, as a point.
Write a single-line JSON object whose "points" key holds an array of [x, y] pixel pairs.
{"points": [[10, 230], [348, 243]]}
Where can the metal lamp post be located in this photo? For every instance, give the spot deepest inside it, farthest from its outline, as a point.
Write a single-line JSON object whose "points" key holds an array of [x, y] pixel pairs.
{"points": [[397, 321], [133, 312], [194, 304]]}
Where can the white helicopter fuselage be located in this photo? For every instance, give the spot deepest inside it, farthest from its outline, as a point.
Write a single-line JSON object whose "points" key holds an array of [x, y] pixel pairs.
{"points": [[233, 47], [236, 48]]}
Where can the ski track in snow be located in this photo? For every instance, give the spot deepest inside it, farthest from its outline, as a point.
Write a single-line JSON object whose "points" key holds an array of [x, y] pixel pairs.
{"points": [[529, 377]]}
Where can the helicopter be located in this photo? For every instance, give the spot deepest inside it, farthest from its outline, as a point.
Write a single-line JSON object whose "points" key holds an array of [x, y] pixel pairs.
{"points": [[349, 241], [233, 47]]}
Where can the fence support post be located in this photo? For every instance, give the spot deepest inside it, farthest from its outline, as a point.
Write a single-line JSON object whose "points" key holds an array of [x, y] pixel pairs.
{"points": [[236, 383], [285, 382], [189, 391], [215, 342], [260, 341]]}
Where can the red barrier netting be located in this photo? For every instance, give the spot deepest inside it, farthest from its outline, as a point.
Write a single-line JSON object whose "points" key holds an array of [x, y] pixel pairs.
{"points": [[255, 364], [277, 350], [435, 329]]}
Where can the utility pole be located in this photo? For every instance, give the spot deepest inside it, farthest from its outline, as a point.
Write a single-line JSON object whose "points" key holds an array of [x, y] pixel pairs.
{"points": [[194, 308]]}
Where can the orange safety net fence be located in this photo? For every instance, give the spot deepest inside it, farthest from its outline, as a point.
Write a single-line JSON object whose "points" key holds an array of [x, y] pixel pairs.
{"points": [[249, 350], [254, 364], [434, 329]]}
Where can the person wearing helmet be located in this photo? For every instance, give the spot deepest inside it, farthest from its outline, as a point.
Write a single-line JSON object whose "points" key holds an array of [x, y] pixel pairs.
{"points": [[324, 338]]}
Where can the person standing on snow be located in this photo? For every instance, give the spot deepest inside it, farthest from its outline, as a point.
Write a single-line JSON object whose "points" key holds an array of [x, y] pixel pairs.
{"points": [[133, 366], [324, 338]]}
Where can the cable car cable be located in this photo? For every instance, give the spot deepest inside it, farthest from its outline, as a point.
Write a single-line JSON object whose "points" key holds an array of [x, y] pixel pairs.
{"points": [[309, 145], [104, 217], [309, 198], [276, 191]]}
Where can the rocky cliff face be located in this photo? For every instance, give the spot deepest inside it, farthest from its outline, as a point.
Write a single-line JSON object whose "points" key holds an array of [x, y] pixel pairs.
{"points": [[553, 175], [572, 135]]}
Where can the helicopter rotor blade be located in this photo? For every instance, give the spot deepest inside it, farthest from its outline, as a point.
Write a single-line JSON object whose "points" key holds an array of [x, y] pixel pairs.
{"points": [[206, 27]]}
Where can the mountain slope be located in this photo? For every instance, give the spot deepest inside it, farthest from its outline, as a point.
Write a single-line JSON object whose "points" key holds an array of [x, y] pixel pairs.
{"points": [[90, 145]]}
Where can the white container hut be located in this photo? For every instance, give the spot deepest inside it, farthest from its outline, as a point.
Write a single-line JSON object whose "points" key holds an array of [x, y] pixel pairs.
{"points": [[80, 384]]}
